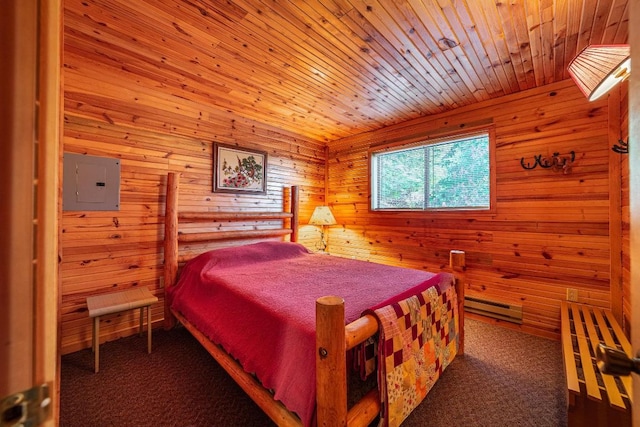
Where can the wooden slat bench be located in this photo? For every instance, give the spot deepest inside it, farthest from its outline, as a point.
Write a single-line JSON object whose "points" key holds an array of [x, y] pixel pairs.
{"points": [[593, 398], [116, 302]]}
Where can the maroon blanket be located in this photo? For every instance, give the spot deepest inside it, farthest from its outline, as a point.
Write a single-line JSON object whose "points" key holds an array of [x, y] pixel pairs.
{"points": [[258, 302]]}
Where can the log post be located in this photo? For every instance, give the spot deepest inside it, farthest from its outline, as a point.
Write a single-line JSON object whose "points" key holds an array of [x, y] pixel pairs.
{"points": [[458, 265], [331, 366], [170, 243], [295, 207]]}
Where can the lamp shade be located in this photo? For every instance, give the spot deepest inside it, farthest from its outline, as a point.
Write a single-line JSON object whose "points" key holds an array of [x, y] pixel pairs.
{"points": [[322, 215], [600, 67]]}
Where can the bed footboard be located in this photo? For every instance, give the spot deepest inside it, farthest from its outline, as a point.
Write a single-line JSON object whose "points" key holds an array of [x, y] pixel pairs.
{"points": [[333, 340]]}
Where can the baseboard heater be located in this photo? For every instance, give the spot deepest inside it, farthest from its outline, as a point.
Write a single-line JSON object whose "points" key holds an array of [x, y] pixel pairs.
{"points": [[497, 310]]}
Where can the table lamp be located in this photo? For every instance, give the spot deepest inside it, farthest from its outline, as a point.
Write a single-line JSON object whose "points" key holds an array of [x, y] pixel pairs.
{"points": [[322, 216]]}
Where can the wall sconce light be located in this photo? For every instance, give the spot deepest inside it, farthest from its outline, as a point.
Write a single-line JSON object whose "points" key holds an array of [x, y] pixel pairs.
{"points": [[598, 68], [323, 217]]}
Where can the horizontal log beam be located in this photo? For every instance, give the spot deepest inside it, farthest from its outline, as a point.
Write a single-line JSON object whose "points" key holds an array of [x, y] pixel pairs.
{"points": [[232, 216], [231, 235], [359, 330], [365, 410]]}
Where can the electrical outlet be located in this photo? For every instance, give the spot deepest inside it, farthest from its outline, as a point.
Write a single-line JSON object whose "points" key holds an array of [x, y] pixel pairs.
{"points": [[572, 294]]}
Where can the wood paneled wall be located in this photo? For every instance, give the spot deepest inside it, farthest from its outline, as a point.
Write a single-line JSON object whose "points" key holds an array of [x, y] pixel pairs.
{"points": [[550, 231], [114, 109], [625, 212]]}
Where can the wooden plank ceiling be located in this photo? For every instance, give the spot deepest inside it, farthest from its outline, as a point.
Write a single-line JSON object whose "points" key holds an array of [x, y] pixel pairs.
{"points": [[328, 69]]}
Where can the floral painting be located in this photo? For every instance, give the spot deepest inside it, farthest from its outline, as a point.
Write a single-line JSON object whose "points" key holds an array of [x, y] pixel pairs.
{"points": [[238, 169]]}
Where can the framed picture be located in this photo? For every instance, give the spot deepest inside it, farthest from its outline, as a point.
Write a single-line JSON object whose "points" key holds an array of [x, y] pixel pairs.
{"points": [[239, 170]]}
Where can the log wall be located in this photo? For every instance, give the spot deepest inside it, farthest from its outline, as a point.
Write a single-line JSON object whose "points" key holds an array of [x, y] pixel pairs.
{"points": [[550, 231], [117, 105]]}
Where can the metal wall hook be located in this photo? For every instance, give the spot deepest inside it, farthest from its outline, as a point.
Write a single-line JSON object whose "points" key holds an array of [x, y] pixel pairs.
{"points": [[545, 162], [621, 147], [555, 162], [612, 361], [529, 166]]}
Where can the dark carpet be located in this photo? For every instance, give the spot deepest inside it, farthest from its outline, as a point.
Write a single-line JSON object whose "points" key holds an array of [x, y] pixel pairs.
{"points": [[506, 378]]}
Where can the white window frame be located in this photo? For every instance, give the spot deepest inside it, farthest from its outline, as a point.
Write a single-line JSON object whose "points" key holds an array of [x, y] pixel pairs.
{"points": [[426, 141]]}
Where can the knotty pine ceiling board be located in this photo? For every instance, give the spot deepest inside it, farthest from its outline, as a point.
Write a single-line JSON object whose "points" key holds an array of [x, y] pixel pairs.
{"points": [[328, 69]]}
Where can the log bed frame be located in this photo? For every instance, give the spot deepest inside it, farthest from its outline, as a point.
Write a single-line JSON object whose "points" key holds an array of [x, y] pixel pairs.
{"points": [[333, 338]]}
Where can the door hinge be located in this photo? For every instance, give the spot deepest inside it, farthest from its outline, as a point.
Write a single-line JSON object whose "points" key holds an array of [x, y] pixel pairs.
{"points": [[27, 408]]}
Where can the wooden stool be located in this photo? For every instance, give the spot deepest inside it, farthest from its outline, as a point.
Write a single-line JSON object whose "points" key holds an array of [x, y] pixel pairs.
{"points": [[116, 302]]}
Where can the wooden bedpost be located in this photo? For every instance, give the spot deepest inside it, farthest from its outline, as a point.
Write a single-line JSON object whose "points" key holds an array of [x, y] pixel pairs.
{"points": [[170, 243], [458, 264], [295, 207], [331, 369]]}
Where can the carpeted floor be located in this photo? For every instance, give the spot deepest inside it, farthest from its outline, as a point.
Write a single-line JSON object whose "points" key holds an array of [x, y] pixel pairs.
{"points": [[506, 378]]}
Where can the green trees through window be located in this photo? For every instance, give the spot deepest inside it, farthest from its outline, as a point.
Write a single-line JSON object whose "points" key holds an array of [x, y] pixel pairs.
{"points": [[452, 174]]}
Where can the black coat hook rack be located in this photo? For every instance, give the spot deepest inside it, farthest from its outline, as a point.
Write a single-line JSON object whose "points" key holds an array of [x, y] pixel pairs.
{"points": [[621, 147], [555, 162]]}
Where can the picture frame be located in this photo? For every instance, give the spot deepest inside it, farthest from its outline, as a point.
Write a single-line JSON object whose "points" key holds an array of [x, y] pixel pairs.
{"points": [[239, 170]]}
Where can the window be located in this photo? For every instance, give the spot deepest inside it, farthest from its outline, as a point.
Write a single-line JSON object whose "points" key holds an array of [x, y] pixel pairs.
{"points": [[447, 174]]}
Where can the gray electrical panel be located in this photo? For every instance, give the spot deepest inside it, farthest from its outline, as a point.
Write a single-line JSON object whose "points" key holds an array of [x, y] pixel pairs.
{"points": [[90, 183]]}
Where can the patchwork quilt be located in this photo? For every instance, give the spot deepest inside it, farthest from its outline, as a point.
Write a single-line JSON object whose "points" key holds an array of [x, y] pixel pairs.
{"points": [[418, 339]]}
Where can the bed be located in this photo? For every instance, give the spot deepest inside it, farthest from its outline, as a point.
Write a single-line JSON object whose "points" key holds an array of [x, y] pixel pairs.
{"points": [[218, 293]]}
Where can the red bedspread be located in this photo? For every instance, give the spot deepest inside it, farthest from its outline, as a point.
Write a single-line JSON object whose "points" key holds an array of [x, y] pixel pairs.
{"points": [[258, 302]]}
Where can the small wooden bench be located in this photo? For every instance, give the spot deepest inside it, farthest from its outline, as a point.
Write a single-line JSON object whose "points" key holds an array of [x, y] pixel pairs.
{"points": [[116, 302], [593, 398]]}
